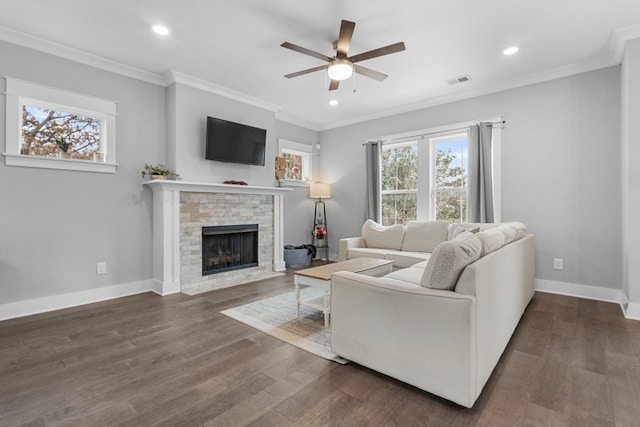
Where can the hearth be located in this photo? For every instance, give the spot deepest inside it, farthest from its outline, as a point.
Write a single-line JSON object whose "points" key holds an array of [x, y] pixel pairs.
{"points": [[229, 247]]}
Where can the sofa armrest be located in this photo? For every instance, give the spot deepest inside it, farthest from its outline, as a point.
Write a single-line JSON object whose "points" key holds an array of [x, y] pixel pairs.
{"points": [[348, 243]]}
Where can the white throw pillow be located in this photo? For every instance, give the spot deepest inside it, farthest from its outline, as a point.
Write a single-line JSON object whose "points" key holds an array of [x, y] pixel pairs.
{"points": [[424, 236], [491, 240], [382, 236], [461, 229], [449, 259]]}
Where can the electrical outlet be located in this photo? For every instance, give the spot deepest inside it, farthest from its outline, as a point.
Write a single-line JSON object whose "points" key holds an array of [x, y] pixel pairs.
{"points": [[558, 263], [101, 268]]}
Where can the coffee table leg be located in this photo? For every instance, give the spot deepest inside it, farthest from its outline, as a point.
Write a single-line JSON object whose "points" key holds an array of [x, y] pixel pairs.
{"points": [[295, 281], [327, 301]]}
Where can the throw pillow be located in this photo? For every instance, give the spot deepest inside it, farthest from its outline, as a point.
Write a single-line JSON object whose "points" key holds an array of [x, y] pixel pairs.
{"points": [[424, 236], [449, 259], [461, 229], [381, 236], [491, 239]]}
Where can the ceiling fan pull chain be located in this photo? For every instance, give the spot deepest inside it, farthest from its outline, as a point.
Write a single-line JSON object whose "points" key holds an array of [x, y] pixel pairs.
{"points": [[354, 82]]}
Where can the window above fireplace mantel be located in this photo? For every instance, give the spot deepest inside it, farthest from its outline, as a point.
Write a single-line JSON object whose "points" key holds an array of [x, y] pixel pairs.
{"points": [[208, 187]]}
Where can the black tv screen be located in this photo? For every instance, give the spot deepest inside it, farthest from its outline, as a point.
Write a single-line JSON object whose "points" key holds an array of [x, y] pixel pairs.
{"points": [[234, 142]]}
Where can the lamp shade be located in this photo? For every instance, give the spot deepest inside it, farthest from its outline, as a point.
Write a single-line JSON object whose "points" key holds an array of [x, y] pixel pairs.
{"points": [[319, 190]]}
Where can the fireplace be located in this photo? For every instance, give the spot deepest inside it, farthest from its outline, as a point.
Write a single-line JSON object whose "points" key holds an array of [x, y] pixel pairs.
{"points": [[229, 247]]}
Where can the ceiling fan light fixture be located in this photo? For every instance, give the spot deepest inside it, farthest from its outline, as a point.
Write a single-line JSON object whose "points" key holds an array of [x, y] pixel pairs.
{"points": [[340, 69]]}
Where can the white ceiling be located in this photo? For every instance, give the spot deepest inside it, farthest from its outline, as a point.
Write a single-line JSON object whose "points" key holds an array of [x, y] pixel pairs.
{"points": [[236, 45]]}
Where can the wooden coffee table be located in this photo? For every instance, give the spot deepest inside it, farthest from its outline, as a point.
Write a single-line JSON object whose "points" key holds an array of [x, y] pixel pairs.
{"points": [[320, 277]]}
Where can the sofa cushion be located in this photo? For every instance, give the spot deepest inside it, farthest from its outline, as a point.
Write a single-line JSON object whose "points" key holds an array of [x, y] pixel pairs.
{"points": [[381, 236], [367, 253], [424, 236], [512, 231], [491, 240], [449, 259], [411, 275], [405, 259]]}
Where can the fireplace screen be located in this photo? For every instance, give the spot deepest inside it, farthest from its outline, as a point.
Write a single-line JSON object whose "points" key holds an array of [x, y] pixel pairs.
{"points": [[229, 247]]}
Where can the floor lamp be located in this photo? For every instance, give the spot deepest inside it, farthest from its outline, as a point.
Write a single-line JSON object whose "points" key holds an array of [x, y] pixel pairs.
{"points": [[318, 190]]}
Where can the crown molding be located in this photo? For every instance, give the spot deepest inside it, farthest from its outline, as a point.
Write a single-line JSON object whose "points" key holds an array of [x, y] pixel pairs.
{"points": [[297, 121], [619, 39], [76, 55], [530, 79], [173, 76]]}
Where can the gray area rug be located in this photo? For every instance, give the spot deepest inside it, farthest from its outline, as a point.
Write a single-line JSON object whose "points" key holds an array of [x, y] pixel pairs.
{"points": [[276, 316]]}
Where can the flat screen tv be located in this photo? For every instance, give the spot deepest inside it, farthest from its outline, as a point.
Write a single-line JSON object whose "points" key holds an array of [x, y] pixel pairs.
{"points": [[234, 142]]}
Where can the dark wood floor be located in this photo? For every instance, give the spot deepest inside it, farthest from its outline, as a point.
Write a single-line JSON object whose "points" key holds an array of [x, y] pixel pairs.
{"points": [[147, 360]]}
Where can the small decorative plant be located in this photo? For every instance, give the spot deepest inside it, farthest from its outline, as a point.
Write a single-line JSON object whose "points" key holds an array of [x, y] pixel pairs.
{"points": [[158, 170], [63, 144]]}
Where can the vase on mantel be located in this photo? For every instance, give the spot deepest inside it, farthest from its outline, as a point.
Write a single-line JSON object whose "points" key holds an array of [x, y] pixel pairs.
{"points": [[158, 177], [65, 155]]}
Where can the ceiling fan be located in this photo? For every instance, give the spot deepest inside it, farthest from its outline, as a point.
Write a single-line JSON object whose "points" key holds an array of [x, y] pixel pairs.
{"points": [[341, 66]]}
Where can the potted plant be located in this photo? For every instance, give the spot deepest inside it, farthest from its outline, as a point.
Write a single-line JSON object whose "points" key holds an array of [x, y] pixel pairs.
{"points": [[158, 171], [64, 148]]}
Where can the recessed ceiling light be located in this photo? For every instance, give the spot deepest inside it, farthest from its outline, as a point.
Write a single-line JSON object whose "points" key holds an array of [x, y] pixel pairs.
{"points": [[333, 102], [160, 29], [511, 50]]}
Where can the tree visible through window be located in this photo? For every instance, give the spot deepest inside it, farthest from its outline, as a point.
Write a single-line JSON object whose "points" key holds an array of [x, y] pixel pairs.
{"points": [[406, 180], [42, 127], [450, 186], [399, 183]]}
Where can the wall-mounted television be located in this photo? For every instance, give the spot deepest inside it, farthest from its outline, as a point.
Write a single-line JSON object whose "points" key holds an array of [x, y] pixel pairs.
{"points": [[234, 142]]}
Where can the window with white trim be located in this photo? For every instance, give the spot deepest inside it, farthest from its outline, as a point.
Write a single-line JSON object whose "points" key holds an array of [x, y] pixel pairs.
{"points": [[298, 160], [424, 176], [53, 128]]}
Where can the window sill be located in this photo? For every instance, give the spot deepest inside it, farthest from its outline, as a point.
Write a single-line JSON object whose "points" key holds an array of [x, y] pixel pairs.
{"points": [[56, 163], [294, 183]]}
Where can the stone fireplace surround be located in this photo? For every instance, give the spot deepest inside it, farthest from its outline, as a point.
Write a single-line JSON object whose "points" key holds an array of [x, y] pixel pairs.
{"points": [[181, 208]]}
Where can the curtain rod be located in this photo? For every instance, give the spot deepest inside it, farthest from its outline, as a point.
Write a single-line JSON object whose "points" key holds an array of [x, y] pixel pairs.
{"points": [[492, 124]]}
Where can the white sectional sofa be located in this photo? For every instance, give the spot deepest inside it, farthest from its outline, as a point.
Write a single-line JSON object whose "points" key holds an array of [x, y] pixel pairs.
{"points": [[440, 324]]}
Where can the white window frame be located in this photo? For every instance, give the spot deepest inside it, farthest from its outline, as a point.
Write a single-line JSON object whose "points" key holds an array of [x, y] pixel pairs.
{"points": [[298, 149], [20, 93], [426, 156]]}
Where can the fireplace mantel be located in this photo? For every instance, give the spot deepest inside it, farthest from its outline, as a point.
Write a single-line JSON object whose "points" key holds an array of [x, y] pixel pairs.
{"points": [[166, 225], [207, 187]]}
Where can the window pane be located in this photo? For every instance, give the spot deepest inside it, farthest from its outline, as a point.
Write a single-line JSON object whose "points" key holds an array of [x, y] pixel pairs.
{"points": [[451, 204], [293, 164], [42, 127], [451, 179], [399, 208], [400, 168]]}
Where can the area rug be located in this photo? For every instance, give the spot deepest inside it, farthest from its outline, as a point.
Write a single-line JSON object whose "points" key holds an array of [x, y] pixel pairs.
{"points": [[276, 316]]}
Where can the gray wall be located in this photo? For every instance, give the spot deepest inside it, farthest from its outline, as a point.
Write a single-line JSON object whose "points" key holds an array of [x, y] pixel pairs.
{"points": [[192, 106], [560, 168], [57, 224], [298, 207]]}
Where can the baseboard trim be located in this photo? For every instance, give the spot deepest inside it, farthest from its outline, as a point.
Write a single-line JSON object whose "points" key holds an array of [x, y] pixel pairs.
{"points": [[581, 291], [17, 309], [631, 310]]}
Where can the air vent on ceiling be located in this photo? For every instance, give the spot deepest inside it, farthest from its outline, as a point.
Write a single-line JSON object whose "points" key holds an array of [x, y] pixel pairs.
{"points": [[460, 79]]}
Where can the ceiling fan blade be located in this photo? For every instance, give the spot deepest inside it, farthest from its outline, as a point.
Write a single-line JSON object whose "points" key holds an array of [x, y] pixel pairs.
{"points": [[368, 72], [392, 48], [334, 84], [344, 40], [306, 51], [307, 71]]}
